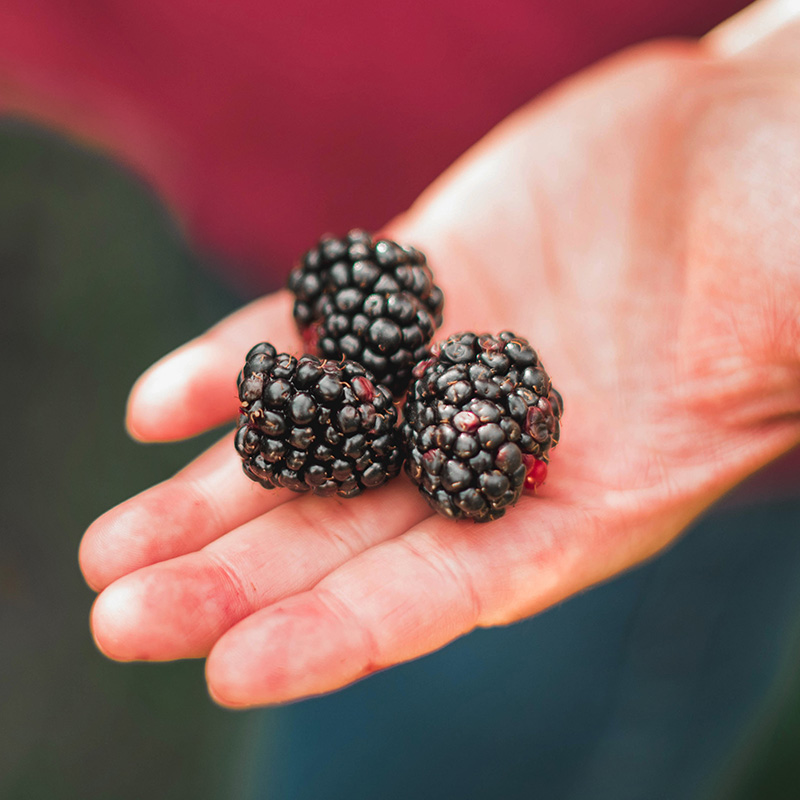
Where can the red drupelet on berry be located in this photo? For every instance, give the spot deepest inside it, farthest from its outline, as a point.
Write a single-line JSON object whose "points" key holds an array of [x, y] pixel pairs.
{"points": [[314, 425], [480, 420], [373, 302]]}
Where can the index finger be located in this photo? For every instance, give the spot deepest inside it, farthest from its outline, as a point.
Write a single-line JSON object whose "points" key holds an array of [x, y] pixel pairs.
{"points": [[193, 388]]}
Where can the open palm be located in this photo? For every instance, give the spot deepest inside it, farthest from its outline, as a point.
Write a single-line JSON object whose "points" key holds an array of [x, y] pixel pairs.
{"points": [[639, 226]]}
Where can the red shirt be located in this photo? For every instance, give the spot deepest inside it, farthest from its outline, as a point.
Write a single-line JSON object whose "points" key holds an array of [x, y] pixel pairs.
{"points": [[266, 124]]}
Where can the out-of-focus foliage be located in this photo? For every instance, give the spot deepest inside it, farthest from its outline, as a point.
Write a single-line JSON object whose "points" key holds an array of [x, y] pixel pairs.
{"points": [[96, 284]]}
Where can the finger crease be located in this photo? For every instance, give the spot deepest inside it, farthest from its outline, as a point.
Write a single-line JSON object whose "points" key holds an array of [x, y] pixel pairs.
{"points": [[447, 564], [341, 530], [243, 592], [346, 615]]}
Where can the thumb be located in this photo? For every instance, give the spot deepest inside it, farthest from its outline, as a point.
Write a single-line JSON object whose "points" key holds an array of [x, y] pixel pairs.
{"points": [[768, 28], [763, 40]]}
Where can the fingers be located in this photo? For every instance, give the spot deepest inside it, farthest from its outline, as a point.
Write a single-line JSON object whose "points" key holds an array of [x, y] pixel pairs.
{"points": [[194, 388], [205, 500], [402, 599], [179, 608]]}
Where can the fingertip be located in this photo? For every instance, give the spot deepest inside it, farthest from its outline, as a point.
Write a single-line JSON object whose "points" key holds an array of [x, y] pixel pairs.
{"points": [[131, 420], [245, 667], [87, 559], [154, 614], [97, 553], [756, 26], [227, 677], [113, 616], [111, 548], [223, 688], [193, 388], [283, 653], [162, 405]]}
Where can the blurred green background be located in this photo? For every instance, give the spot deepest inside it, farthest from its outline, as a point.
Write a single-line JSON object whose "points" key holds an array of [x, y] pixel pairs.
{"points": [[97, 284]]}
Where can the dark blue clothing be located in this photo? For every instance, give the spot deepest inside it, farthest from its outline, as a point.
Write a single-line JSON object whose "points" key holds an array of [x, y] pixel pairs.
{"points": [[647, 687]]}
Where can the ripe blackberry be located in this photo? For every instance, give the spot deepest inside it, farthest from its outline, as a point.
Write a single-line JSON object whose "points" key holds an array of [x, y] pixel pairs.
{"points": [[480, 420], [373, 302], [315, 425]]}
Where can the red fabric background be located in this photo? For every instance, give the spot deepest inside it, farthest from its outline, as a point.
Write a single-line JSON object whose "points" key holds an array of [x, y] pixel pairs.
{"points": [[265, 124]]}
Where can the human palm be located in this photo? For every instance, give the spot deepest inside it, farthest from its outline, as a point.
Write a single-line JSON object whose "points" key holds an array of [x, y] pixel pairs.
{"points": [[638, 225]]}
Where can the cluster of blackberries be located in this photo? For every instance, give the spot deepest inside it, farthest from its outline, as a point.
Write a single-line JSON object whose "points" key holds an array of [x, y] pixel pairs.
{"points": [[479, 422], [480, 414], [371, 302], [307, 424]]}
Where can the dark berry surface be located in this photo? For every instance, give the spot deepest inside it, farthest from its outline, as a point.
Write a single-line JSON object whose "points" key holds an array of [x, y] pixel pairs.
{"points": [[373, 302], [315, 425], [480, 420]]}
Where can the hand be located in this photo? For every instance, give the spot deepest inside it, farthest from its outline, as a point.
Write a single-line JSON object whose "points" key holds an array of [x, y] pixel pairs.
{"points": [[640, 226]]}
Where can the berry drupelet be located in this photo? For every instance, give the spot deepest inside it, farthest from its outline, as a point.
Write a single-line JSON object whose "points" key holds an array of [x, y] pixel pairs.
{"points": [[480, 420], [373, 302], [315, 425]]}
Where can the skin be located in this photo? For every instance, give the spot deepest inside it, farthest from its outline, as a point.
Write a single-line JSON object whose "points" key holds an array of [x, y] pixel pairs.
{"points": [[639, 224]]}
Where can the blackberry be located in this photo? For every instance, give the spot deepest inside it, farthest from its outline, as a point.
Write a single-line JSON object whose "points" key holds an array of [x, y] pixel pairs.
{"points": [[373, 302], [479, 422], [315, 425]]}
